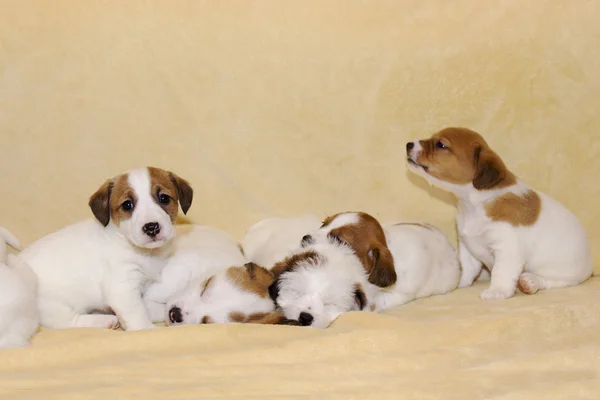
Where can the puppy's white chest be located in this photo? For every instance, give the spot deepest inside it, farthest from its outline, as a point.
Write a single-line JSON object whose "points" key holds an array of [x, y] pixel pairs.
{"points": [[471, 224]]}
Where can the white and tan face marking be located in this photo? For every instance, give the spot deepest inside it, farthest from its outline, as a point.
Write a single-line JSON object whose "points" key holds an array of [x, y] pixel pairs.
{"points": [[319, 284], [238, 294], [142, 204], [366, 237], [457, 157]]}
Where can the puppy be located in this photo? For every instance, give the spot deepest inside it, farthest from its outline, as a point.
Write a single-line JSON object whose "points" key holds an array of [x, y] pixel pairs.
{"points": [[272, 239], [105, 264], [19, 317], [239, 294], [525, 238], [199, 252]]}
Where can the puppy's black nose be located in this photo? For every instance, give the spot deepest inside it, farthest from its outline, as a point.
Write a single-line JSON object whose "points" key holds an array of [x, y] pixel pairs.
{"points": [[175, 315], [305, 318], [409, 146], [151, 229]]}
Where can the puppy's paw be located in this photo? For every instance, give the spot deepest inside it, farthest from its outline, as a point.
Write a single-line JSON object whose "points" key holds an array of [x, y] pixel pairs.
{"points": [[464, 283], [496, 293], [107, 321], [529, 283]]}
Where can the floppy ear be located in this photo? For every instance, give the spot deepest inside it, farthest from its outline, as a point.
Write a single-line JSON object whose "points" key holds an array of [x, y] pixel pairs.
{"points": [[100, 203], [272, 318], [383, 271], [489, 169], [184, 192], [261, 275]]}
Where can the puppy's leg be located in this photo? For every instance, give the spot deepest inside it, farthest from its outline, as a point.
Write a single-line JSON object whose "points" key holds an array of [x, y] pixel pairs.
{"points": [[156, 310], [471, 267], [55, 314], [530, 283], [123, 294], [386, 300], [508, 265]]}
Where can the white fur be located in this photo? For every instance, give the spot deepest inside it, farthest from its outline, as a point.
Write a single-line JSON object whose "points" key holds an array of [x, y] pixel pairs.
{"points": [[86, 267], [272, 239], [553, 252], [197, 255], [19, 317]]}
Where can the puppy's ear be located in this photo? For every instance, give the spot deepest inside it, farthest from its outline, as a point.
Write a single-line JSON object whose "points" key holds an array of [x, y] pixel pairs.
{"points": [[489, 169], [274, 291], [260, 275], [272, 318], [383, 271], [100, 202], [184, 191]]}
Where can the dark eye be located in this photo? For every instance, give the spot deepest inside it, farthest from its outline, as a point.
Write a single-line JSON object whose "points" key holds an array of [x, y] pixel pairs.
{"points": [[164, 199], [127, 205], [306, 240], [440, 145], [335, 238]]}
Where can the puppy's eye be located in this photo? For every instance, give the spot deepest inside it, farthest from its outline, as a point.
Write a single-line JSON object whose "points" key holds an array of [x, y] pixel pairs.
{"points": [[164, 199], [306, 240], [127, 205], [440, 145], [335, 238]]}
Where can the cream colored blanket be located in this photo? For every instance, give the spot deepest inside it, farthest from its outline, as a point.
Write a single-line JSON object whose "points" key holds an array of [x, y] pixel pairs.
{"points": [[544, 346]]}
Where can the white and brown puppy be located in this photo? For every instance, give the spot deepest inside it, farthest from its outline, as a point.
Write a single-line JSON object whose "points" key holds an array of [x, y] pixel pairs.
{"points": [[238, 294], [105, 264], [19, 317], [394, 264], [526, 238]]}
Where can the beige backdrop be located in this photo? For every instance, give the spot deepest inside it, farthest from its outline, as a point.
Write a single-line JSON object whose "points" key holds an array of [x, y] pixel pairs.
{"points": [[283, 107]]}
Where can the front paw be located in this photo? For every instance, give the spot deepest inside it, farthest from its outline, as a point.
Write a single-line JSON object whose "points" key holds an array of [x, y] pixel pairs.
{"points": [[496, 293], [464, 283]]}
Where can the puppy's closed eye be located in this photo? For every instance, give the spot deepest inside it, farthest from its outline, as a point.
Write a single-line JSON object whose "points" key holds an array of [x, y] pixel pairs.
{"points": [[359, 297]]}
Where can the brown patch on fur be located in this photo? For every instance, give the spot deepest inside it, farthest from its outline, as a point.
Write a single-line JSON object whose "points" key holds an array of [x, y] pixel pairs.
{"points": [[516, 210], [207, 320], [177, 189], [360, 298], [466, 158], [270, 318], [367, 239], [293, 261], [251, 278]]}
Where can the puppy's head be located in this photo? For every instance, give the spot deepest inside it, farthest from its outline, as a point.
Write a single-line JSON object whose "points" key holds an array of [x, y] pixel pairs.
{"points": [[455, 157], [319, 283], [238, 294], [142, 204], [363, 233]]}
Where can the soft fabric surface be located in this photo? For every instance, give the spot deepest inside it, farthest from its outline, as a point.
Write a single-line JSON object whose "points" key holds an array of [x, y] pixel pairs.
{"points": [[446, 347]]}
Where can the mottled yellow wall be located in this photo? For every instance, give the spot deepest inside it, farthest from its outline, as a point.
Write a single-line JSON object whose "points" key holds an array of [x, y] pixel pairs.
{"points": [[282, 107]]}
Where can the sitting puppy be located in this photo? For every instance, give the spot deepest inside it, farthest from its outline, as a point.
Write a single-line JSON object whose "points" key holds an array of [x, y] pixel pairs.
{"points": [[19, 317], [523, 236], [383, 267], [238, 294], [198, 252], [105, 264]]}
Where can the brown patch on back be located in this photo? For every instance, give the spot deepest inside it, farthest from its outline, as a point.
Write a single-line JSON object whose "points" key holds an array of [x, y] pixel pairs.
{"points": [[167, 183], [270, 318], [367, 239], [251, 278], [466, 158], [516, 210]]}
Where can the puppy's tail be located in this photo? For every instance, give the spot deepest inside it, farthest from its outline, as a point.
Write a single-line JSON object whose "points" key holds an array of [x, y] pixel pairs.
{"points": [[24, 271], [7, 238]]}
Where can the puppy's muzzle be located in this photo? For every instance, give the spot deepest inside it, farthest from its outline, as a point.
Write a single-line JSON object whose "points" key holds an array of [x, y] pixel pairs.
{"points": [[175, 315]]}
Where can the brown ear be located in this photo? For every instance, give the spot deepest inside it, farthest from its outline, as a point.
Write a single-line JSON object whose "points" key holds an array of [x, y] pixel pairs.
{"points": [[260, 275], [489, 169], [272, 318], [184, 192], [383, 271], [100, 203]]}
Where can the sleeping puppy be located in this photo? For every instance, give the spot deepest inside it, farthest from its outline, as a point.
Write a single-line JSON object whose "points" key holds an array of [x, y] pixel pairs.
{"points": [[104, 264], [525, 238], [199, 252], [238, 294], [393, 264], [19, 316]]}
